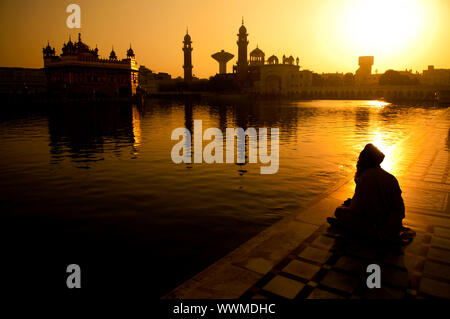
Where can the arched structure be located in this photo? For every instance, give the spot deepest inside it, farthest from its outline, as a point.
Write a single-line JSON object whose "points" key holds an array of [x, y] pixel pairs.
{"points": [[257, 57], [272, 60]]}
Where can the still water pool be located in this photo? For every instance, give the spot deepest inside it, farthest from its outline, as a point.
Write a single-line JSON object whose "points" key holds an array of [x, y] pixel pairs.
{"points": [[96, 185]]}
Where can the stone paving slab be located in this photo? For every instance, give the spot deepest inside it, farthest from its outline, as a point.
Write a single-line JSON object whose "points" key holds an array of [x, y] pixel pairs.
{"points": [[301, 257]]}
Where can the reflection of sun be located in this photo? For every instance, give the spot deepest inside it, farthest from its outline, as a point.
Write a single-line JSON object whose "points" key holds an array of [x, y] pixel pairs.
{"points": [[136, 122], [377, 103], [380, 142]]}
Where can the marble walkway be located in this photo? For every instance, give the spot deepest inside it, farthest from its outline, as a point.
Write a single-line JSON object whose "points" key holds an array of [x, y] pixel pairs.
{"points": [[301, 257]]}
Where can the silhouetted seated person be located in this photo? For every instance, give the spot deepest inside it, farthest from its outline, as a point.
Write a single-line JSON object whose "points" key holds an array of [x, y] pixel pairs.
{"points": [[376, 209]]}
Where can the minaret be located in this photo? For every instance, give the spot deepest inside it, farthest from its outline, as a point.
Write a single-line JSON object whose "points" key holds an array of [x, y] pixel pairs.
{"points": [[187, 49], [130, 53], [48, 51], [242, 63]]}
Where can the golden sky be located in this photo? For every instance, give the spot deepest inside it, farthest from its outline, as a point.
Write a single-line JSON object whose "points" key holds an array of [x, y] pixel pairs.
{"points": [[327, 35]]}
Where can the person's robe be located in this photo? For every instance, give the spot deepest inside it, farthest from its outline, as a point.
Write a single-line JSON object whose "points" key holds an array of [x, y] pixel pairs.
{"points": [[378, 202]]}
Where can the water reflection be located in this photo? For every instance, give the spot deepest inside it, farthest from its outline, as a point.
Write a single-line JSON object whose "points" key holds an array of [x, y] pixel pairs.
{"points": [[133, 195], [312, 134], [319, 141], [85, 134], [448, 140], [377, 103], [381, 142], [136, 128], [362, 120]]}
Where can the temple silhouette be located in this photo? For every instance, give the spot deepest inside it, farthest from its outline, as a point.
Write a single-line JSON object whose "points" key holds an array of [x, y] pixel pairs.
{"points": [[260, 76], [79, 71]]}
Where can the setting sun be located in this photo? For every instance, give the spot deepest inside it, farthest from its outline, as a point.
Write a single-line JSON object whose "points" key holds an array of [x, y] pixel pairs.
{"points": [[380, 26], [385, 28]]}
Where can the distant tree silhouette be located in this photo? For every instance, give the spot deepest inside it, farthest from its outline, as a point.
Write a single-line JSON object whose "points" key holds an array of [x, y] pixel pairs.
{"points": [[391, 77], [333, 80]]}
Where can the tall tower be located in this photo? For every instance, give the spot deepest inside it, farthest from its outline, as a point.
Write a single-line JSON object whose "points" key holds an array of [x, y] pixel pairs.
{"points": [[222, 57], [187, 49], [242, 63], [364, 72]]}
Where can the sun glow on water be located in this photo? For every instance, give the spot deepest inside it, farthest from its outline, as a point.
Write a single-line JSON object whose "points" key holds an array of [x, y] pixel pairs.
{"points": [[376, 103], [380, 142]]}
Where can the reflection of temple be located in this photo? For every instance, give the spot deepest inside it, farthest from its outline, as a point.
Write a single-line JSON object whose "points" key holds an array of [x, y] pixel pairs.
{"points": [[136, 124], [83, 134], [79, 71], [268, 77], [247, 114]]}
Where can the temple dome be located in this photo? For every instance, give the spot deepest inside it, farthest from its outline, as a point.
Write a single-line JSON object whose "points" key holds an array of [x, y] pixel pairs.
{"points": [[187, 38], [257, 57], [80, 46], [112, 55], [290, 60], [48, 50], [130, 52], [70, 43], [257, 53], [242, 29], [272, 59]]}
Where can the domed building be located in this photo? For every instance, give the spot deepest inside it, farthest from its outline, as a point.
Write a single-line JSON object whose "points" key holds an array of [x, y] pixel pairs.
{"points": [[289, 60], [268, 77], [79, 49], [69, 48], [80, 72], [130, 53], [273, 78], [260, 76], [257, 57], [48, 51], [272, 59], [112, 55]]}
